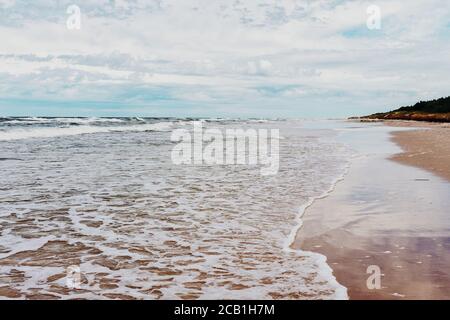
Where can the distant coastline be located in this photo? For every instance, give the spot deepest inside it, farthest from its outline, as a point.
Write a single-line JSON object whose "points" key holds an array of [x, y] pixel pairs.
{"points": [[437, 110]]}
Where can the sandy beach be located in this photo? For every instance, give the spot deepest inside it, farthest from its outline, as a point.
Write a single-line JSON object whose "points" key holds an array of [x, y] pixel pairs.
{"points": [[390, 214], [427, 148]]}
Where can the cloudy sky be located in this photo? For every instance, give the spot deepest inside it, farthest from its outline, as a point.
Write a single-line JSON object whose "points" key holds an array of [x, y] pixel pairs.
{"points": [[252, 58]]}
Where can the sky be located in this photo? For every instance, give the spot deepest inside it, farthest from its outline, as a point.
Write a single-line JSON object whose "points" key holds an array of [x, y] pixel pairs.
{"points": [[221, 58]]}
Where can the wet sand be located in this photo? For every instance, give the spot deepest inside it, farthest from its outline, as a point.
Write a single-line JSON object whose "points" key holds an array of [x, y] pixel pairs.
{"points": [[384, 214]]}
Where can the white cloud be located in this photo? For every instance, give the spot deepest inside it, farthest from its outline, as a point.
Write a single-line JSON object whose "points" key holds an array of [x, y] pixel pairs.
{"points": [[5, 4], [260, 67], [218, 50]]}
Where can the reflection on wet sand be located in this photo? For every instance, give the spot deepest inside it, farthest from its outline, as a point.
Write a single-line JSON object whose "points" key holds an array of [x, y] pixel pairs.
{"points": [[384, 214]]}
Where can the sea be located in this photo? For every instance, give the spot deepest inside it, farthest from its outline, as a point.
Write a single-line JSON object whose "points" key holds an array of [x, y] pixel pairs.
{"points": [[95, 208]]}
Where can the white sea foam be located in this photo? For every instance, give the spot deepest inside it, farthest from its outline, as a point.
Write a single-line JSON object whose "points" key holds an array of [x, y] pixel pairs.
{"points": [[38, 120], [48, 132], [160, 230], [88, 120]]}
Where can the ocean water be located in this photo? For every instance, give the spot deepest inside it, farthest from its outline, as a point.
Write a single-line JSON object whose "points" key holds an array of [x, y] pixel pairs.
{"points": [[103, 195]]}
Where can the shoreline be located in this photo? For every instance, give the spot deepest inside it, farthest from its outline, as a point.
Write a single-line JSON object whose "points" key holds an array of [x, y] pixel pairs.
{"points": [[341, 292], [355, 229]]}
